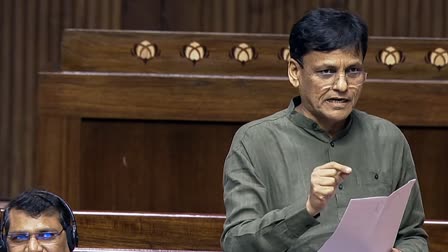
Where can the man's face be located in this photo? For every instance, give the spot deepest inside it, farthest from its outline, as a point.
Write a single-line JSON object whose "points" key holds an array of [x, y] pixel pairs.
{"points": [[21, 222], [330, 84]]}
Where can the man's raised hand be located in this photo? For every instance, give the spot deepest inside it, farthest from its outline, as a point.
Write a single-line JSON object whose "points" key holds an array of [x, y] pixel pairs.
{"points": [[324, 181]]}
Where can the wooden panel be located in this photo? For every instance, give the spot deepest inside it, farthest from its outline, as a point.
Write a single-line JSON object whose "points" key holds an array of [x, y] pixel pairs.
{"points": [[42, 21], [5, 97], [201, 231], [111, 51], [166, 166], [191, 108], [143, 155], [239, 99], [126, 231], [134, 250], [28, 113], [156, 231], [17, 95], [31, 34], [136, 13], [58, 156], [429, 147], [17, 99], [422, 18], [162, 97], [438, 235]]}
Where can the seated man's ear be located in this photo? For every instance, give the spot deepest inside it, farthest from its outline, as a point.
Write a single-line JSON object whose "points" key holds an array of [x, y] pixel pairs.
{"points": [[294, 73]]}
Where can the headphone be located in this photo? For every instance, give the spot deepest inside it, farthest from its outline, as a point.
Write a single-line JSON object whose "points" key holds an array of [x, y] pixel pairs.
{"points": [[2, 234], [71, 230]]}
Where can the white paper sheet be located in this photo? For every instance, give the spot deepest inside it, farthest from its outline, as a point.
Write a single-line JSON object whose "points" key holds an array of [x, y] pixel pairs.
{"points": [[370, 224]]}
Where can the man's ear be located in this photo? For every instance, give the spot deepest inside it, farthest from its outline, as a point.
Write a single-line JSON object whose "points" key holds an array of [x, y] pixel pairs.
{"points": [[294, 73]]}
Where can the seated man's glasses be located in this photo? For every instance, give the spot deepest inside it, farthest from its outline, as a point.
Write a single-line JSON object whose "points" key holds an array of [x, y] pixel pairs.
{"points": [[24, 237]]}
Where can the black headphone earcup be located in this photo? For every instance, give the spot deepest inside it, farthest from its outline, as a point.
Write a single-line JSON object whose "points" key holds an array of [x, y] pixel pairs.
{"points": [[75, 234], [71, 238], [2, 245]]}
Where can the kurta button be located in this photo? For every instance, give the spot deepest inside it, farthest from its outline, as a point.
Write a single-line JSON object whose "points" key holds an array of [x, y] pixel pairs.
{"points": [[314, 125], [332, 144], [376, 176], [341, 186]]}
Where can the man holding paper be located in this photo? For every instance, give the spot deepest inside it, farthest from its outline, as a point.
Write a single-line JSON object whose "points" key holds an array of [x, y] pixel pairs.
{"points": [[289, 177]]}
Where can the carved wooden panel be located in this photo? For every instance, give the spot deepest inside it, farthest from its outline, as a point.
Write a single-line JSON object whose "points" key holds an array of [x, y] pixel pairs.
{"points": [[237, 54]]}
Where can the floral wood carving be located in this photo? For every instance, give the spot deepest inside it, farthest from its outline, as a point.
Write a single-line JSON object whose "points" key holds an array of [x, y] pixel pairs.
{"points": [[437, 58], [284, 54], [390, 57], [145, 51], [194, 52], [243, 53]]}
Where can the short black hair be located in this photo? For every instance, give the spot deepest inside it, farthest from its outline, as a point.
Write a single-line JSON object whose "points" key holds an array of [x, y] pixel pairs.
{"points": [[36, 203], [326, 30]]}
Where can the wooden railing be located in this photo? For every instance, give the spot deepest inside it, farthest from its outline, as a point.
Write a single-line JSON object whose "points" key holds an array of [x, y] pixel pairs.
{"points": [[126, 232], [181, 231], [134, 250], [149, 230], [169, 53]]}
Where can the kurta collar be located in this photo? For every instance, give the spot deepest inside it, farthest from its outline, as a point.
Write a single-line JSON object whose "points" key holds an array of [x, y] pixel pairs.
{"points": [[310, 126]]}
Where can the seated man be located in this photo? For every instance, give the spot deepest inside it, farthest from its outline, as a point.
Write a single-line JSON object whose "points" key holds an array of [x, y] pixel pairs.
{"points": [[289, 177], [38, 221]]}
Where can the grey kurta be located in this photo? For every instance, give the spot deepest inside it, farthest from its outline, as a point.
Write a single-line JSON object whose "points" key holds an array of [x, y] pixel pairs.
{"points": [[267, 179]]}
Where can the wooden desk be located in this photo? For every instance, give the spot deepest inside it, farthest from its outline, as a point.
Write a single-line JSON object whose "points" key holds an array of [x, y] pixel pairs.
{"points": [[181, 231], [134, 250], [149, 230], [115, 231], [438, 235]]}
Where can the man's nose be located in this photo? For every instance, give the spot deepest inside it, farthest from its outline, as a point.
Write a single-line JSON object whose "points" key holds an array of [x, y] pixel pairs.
{"points": [[34, 245], [341, 83]]}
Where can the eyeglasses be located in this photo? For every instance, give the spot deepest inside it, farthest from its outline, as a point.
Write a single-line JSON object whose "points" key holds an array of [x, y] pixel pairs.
{"points": [[354, 76], [23, 238]]}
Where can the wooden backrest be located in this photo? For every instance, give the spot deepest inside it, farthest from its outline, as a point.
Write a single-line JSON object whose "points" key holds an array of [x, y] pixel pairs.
{"points": [[438, 235], [162, 82], [134, 250], [120, 231], [181, 231], [223, 99], [149, 230], [118, 51]]}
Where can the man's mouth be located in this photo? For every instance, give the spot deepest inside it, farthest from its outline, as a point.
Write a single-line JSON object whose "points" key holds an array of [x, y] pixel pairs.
{"points": [[338, 100]]}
